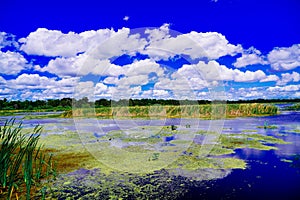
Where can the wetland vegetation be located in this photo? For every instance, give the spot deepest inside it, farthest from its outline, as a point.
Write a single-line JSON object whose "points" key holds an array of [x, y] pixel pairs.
{"points": [[144, 107], [155, 162], [208, 111], [143, 160], [23, 162]]}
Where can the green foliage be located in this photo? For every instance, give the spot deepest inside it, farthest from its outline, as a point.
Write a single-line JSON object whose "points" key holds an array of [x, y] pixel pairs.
{"points": [[22, 162]]}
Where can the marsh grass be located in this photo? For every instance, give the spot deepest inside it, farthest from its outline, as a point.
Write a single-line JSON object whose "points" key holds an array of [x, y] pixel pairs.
{"points": [[208, 111], [22, 161]]}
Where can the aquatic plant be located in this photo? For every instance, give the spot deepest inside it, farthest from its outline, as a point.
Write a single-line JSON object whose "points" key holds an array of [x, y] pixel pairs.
{"points": [[286, 160], [194, 163], [94, 184], [177, 111], [296, 131], [253, 141], [22, 161], [155, 156], [267, 126]]}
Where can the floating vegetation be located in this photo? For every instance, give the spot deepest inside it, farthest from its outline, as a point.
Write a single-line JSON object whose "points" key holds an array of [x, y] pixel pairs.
{"points": [[120, 157], [286, 160], [267, 126], [94, 184], [296, 130], [195, 163], [249, 131], [254, 141], [136, 148], [155, 156]]}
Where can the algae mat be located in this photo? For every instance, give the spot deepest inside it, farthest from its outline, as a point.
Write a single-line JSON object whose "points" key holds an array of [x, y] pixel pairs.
{"points": [[151, 162]]}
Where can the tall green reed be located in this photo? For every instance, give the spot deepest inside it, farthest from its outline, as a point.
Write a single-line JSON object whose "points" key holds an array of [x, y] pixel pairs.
{"points": [[22, 162]]}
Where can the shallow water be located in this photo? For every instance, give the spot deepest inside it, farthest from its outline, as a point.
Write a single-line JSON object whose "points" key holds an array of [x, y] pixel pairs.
{"points": [[268, 175]]}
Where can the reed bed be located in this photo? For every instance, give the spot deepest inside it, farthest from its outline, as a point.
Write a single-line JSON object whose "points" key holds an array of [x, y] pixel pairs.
{"points": [[22, 162], [181, 111]]}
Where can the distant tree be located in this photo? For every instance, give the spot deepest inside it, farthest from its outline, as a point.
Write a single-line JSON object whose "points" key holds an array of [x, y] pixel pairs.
{"points": [[66, 102]]}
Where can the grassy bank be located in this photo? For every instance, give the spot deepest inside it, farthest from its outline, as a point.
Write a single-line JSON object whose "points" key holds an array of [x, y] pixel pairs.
{"points": [[184, 111]]}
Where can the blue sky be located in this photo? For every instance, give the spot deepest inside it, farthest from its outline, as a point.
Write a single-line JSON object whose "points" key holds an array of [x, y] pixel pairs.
{"points": [[233, 49]]}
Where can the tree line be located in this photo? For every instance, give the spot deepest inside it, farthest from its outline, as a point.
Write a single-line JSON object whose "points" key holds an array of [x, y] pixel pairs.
{"points": [[67, 103]]}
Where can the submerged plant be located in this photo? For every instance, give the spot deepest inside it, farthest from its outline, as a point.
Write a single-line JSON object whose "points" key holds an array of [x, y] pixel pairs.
{"points": [[22, 162]]}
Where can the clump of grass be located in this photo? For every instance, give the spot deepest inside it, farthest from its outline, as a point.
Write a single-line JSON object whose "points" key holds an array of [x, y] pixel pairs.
{"points": [[22, 162], [267, 126]]}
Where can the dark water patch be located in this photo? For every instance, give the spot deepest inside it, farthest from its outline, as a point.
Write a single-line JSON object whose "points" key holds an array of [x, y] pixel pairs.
{"points": [[266, 178], [168, 138], [284, 117]]}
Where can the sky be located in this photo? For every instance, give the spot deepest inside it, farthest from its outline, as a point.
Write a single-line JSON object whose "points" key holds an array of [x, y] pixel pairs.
{"points": [[207, 49]]}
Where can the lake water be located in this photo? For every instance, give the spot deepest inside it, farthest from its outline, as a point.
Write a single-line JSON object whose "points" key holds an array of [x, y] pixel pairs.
{"points": [[273, 174]]}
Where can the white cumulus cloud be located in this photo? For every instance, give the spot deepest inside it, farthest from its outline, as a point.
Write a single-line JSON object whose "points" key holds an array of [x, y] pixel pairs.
{"points": [[270, 78], [285, 58], [211, 45], [7, 39], [12, 63], [80, 65], [46, 42], [287, 88], [213, 71], [288, 77], [251, 56]]}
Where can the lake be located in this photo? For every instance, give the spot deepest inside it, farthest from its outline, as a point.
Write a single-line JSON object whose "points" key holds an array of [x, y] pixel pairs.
{"points": [[269, 174]]}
